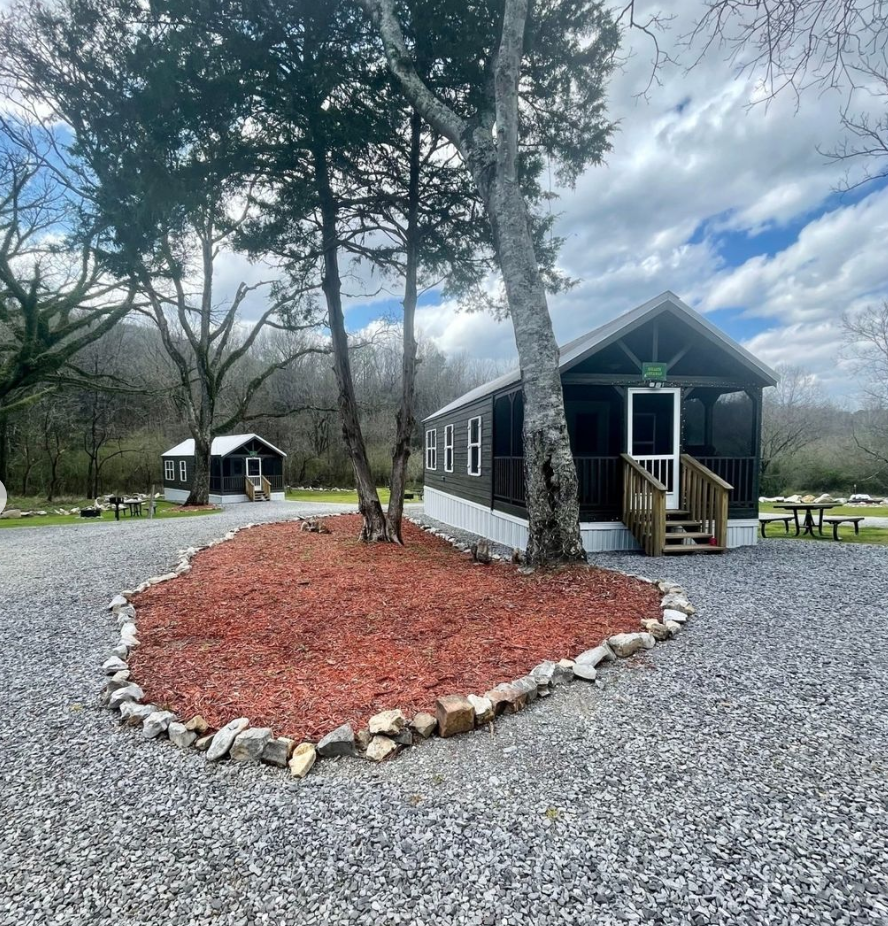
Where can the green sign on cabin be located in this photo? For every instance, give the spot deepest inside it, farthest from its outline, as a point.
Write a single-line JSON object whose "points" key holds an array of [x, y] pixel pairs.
{"points": [[653, 372]]}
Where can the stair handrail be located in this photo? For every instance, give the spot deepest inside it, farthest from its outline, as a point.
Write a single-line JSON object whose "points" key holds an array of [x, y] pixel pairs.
{"points": [[250, 489], [705, 496], [266, 488], [644, 506]]}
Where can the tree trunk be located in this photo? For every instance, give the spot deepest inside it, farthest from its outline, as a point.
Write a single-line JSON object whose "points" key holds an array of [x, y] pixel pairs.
{"points": [[4, 449], [375, 527], [200, 483], [553, 510], [405, 419]]}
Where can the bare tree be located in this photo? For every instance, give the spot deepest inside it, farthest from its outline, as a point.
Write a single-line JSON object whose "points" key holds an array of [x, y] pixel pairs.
{"points": [[792, 413], [55, 299], [866, 334]]}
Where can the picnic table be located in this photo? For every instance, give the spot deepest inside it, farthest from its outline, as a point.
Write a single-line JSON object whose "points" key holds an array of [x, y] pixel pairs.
{"points": [[809, 508]]}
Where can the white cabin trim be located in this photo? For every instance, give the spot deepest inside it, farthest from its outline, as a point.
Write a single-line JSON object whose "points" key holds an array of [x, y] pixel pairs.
{"points": [[511, 531]]}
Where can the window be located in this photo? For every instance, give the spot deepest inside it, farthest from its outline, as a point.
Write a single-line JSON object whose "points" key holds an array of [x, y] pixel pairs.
{"points": [[183, 471], [474, 455], [169, 470], [432, 449], [448, 449]]}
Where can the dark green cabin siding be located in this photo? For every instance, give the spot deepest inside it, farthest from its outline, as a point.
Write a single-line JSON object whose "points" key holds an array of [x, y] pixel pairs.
{"points": [[459, 483]]}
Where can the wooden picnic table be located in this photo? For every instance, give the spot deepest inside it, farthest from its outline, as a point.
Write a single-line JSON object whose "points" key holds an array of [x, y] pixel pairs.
{"points": [[809, 508]]}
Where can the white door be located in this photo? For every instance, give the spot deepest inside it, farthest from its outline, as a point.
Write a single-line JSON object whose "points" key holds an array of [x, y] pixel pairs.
{"points": [[254, 471], [654, 435]]}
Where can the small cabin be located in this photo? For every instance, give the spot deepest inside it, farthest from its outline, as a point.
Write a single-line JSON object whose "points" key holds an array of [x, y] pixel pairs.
{"points": [[664, 413], [243, 468]]}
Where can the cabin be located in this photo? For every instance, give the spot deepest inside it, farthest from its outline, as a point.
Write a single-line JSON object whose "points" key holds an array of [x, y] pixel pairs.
{"points": [[664, 412], [243, 468]]}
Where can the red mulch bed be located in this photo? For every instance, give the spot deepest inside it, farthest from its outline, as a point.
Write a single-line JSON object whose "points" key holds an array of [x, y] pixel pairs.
{"points": [[302, 632]]}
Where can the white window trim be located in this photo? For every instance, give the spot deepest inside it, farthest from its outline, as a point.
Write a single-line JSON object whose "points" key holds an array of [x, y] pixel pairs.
{"points": [[470, 446], [431, 449], [169, 470], [183, 471], [448, 448]]}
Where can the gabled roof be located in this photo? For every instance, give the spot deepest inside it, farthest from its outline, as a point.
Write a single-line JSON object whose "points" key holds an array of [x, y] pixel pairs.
{"points": [[580, 348], [221, 446]]}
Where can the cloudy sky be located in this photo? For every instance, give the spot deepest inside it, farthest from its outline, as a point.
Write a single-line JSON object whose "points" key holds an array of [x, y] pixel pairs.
{"points": [[730, 205]]}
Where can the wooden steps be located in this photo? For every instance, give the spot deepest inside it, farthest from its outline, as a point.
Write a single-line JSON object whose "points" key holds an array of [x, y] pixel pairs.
{"points": [[685, 536]]}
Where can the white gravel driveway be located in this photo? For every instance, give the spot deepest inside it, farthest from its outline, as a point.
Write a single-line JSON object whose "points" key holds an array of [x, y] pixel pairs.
{"points": [[738, 774]]}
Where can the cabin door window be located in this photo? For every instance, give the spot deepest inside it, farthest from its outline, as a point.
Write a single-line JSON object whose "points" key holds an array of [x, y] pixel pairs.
{"points": [[653, 435], [254, 471]]}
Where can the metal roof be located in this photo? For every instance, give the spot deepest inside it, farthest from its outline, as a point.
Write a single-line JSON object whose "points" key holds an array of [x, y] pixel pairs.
{"points": [[221, 446], [580, 348]]}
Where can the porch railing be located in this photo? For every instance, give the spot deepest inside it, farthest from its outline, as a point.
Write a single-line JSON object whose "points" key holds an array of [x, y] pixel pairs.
{"points": [[705, 496], [233, 484], [644, 506], [741, 473], [266, 488], [598, 478]]}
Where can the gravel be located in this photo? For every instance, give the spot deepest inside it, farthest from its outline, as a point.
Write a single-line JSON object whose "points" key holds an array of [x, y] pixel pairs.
{"points": [[734, 775]]}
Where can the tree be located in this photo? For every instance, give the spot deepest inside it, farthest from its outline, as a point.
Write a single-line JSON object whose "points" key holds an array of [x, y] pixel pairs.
{"points": [[356, 176], [55, 299], [511, 85], [812, 45], [791, 416], [162, 156], [866, 334]]}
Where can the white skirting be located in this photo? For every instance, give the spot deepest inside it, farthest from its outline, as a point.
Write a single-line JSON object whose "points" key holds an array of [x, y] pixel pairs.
{"points": [[511, 531], [181, 495]]}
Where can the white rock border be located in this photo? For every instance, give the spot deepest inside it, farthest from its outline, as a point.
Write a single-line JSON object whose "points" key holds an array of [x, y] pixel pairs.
{"points": [[389, 732]]}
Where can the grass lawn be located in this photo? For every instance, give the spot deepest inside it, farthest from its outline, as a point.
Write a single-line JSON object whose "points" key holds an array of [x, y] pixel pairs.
{"points": [[871, 511], [877, 535], [347, 497], [163, 509]]}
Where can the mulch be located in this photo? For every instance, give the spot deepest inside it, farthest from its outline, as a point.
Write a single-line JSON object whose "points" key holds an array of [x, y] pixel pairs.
{"points": [[302, 632]]}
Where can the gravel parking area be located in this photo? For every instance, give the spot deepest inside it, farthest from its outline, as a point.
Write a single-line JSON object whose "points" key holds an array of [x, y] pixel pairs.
{"points": [[734, 775]]}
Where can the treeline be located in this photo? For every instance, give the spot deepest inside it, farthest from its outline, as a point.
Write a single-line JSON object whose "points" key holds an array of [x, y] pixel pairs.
{"points": [[84, 442]]}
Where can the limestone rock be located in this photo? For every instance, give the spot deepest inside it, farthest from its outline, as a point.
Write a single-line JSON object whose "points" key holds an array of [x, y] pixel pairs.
{"points": [[135, 714], [592, 657], [225, 737], [381, 747], [669, 614], [528, 685], [551, 673], [197, 725], [302, 760], [388, 723], [180, 735], [405, 737], [625, 644], [657, 630], [566, 663], [677, 603], [483, 708], [507, 698], [585, 671], [157, 723], [131, 692], [113, 665], [203, 743], [666, 587], [128, 635], [248, 746], [362, 739], [672, 626], [127, 612], [338, 742], [118, 601], [455, 714], [424, 724], [121, 651], [118, 680], [277, 751]]}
